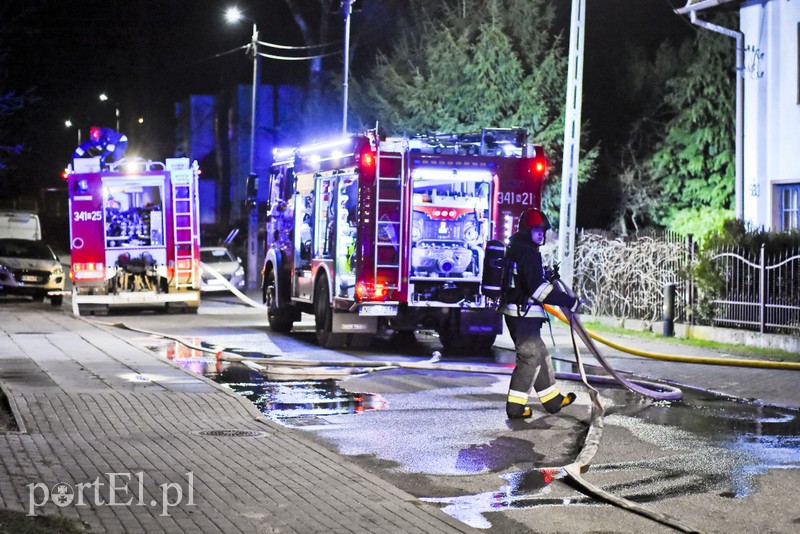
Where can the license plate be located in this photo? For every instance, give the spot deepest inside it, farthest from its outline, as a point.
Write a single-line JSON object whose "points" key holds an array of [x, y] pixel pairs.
{"points": [[29, 278], [378, 309]]}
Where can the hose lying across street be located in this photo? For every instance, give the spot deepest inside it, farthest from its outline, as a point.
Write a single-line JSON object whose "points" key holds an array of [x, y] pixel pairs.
{"points": [[269, 363]]}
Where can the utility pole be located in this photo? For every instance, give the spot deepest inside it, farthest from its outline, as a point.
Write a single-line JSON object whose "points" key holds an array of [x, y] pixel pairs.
{"points": [[347, 10], [250, 186], [572, 144]]}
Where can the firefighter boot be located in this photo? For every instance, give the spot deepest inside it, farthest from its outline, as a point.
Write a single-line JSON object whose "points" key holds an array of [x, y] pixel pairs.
{"points": [[518, 411], [555, 404]]}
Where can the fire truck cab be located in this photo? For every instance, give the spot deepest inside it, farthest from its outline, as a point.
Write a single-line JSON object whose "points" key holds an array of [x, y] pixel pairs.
{"points": [[134, 234], [369, 234]]}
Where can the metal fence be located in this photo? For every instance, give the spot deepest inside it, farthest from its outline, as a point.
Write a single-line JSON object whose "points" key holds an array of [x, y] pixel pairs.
{"points": [[627, 277], [757, 293]]}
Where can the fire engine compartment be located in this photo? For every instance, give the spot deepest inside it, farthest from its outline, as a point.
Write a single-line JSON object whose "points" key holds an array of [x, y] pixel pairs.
{"points": [[135, 248], [449, 226]]}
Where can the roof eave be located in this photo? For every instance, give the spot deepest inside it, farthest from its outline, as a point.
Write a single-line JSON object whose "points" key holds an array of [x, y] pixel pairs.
{"points": [[703, 5]]}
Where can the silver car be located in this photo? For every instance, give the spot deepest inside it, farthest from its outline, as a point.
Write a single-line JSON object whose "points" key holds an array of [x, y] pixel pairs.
{"points": [[221, 260], [31, 268]]}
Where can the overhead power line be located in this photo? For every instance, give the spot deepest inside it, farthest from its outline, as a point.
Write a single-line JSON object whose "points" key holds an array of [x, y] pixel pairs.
{"points": [[299, 58], [287, 47]]}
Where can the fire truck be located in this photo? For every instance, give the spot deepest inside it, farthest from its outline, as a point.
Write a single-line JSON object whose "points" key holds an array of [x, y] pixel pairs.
{"points": [[373, 235], [134, 234]]}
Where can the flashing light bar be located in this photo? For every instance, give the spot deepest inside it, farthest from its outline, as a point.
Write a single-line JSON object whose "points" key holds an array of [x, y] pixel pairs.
{"points": [[322, 146]]}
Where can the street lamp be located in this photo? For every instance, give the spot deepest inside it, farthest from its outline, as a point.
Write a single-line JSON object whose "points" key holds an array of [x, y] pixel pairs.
{"points": [[232, 15], [103, 98]]}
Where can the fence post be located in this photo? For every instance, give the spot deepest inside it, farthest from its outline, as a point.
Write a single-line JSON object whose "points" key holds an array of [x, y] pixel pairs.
{"points": [[669, 310], [762, 291], [690, 280]]}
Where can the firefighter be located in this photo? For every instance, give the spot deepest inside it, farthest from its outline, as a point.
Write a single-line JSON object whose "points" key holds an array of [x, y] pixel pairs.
{"points": [[110, 145], [527, 287]]}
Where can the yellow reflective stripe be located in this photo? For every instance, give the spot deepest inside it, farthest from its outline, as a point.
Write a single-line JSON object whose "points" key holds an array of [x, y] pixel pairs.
{"points": [[542, 291], [549, 393], [517, 400]]}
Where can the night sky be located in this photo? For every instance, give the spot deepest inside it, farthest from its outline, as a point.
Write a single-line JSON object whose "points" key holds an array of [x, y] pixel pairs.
{"points": [[149, 54]]}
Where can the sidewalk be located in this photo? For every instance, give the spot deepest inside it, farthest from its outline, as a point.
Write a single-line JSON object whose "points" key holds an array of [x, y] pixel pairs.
{"points": [[119, 439]]}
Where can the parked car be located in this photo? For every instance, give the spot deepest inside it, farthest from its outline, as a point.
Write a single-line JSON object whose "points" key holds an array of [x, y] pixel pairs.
{"points": [[30, 268], [19, 225], [221, 260]]}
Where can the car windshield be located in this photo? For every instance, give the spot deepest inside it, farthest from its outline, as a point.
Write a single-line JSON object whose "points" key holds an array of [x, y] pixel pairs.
{"points": [[215, 256], [23, 248]]}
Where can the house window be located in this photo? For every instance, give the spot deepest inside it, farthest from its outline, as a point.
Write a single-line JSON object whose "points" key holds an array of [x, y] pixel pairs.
{"points": [[789, 206]]}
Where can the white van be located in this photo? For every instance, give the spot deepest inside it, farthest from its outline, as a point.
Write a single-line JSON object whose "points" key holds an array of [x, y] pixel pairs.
{"points": [[20, 225]]}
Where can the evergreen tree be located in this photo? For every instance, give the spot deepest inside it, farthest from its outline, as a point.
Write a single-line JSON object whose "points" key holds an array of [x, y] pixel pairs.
{"points": [[695, 161], [462, 65]]}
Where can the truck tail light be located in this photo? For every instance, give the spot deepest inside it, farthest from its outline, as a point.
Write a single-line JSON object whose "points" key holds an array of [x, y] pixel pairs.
{"points": [[367, 163], [369, 291], [87, 271], [539, 166]]}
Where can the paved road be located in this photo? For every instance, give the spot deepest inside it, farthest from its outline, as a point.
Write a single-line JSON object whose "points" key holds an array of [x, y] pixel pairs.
{"points": [[92, 404], [110, 418]]}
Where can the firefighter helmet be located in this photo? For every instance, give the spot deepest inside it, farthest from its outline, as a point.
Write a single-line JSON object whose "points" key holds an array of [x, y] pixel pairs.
{"points": [[533, 218]]}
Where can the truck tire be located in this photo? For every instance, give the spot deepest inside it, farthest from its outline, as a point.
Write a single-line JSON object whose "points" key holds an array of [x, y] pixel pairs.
{"points": [[280, 321], [323, 317], [56, 300]]}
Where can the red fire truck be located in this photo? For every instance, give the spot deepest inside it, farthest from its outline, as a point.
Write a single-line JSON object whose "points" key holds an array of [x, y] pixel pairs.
{"points": [[369, 234], [134, 234]]}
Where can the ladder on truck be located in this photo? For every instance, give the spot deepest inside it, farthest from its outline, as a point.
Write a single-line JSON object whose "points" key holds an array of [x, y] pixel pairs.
{"points": [[184, 230], [388, 235]]}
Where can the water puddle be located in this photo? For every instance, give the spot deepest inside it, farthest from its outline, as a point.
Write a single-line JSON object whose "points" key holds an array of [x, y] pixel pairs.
{"points": [[708, 444], [289, 402]]}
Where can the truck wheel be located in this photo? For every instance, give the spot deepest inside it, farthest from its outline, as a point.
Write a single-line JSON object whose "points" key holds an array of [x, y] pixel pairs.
{"points": [[323, 317], [279, 320], [56, 300]]}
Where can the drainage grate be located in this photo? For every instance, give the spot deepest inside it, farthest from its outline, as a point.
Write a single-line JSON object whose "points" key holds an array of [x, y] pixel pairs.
{"points": [[234, 433]]}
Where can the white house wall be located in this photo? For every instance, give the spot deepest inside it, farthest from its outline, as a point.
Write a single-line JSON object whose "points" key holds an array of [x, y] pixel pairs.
{"points": [[771, 105]]}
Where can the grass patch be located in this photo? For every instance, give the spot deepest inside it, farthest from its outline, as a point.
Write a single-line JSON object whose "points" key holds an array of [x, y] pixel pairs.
{"points": [[7, 421], [20, 523], [739, 350]]}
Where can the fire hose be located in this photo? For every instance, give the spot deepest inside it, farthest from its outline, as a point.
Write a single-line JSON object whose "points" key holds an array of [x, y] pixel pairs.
{"points": [[593, 436]]}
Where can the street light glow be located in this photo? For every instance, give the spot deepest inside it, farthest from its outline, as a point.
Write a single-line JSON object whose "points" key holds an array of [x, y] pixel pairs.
{"points": [[68, 123], [103, 97], [233, 14]]}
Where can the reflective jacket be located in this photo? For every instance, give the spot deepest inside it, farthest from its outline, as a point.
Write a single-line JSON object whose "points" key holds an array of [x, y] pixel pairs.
{"points": [[526, 286]]}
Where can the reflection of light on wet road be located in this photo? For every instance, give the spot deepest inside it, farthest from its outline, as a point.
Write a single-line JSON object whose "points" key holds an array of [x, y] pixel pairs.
{"points": [[287, 402], [521, 487], [711, 445], [281, 401]]}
